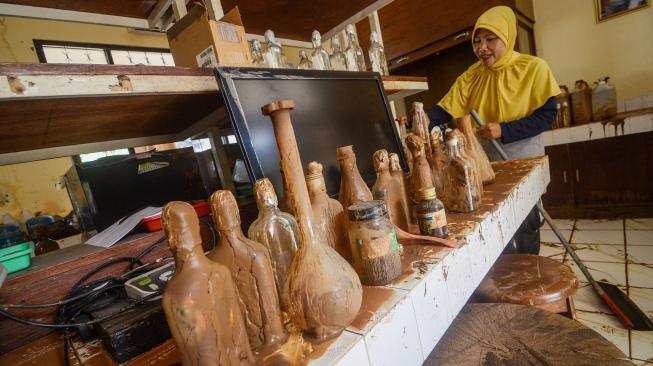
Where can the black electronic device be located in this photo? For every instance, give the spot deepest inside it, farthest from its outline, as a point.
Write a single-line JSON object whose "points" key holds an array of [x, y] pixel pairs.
{"points": [[134, 331], [333, 108], [105, 190]]}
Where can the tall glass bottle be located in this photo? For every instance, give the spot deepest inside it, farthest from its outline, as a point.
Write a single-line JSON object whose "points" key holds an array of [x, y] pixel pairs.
{"points": [[320, 57], [328, 214], [337, 58], [257, 54], [352, 186], [461, 190], [273, 54], [304, 62], [276, 230], [377, 55], [251, 269], [421, 125], [354, 52]]}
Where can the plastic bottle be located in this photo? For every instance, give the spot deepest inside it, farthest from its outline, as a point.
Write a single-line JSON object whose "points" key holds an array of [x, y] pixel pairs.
{"points": [[581, 103], [377, 55], [337, 58], [354, 52], [604, 100], [320, 57], [273, 54]]}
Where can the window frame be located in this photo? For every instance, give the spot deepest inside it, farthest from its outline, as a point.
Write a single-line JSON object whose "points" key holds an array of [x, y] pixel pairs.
{"points": [[107, 48]]}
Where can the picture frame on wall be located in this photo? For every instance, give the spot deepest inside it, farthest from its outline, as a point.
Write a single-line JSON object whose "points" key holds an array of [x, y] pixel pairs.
{"points": [[608, 9]]}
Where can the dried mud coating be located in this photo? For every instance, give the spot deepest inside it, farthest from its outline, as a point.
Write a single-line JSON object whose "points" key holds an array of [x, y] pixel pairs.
{"points": [[461, 184], [476, 151], [388, 189], [352, 186], [421, 127], [467, 156], [438, 160], [421, 175], [398, 175], [251, 268], [520, 335], [201, 300], [528, 280], [324, 291], [328, 213]]}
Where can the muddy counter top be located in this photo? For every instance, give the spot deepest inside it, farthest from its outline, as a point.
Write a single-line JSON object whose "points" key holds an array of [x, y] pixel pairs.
{"points": [[399, 324]]}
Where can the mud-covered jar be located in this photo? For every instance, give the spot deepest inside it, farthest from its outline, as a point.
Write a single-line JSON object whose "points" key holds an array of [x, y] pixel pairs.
{"points": [[430, 213], [373, 243]]}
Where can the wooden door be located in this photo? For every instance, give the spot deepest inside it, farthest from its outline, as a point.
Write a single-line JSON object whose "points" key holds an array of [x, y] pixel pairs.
{"points": [[559, 193], [615, 171]]}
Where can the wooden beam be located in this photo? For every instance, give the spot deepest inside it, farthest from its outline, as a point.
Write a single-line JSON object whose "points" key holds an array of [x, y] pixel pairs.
{"points": [[357, 17], [375, 25], [69, 150], [156, 15], [71, 16], [214, 8], [179, 8], [283, 41]]}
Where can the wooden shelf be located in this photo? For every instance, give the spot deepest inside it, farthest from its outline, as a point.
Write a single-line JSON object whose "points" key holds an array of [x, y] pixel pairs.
{"points": [[54, 110]]}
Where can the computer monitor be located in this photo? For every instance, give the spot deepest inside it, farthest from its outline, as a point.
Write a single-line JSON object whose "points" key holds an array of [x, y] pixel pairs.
{"points": [[332, 109]]}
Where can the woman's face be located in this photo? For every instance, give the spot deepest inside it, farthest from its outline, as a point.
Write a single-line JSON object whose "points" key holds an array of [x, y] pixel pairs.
{"points": [[488, 47]]}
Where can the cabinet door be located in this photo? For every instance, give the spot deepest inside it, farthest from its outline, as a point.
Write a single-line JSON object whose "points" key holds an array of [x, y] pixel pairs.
{"points": [[559, 192], [615, 171]]}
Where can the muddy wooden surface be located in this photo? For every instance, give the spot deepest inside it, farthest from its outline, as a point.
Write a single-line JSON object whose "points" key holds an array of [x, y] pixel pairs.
{"points": [[506, 334], [527, 279]]}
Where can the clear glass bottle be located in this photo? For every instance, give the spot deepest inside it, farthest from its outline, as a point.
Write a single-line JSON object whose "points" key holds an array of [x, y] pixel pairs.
{"points": [[337, 58], [273, 54], [377, 55], [257, 54], [354, 52], [373, 243], [431, 217], [276, 230], [304, 62], [461, 189], [320, 57]]}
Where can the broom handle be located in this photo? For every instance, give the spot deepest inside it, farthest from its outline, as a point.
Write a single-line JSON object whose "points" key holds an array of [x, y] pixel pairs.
{"points": [[548, 219]]}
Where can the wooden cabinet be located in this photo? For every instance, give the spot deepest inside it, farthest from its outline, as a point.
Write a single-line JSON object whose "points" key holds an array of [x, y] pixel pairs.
{"points": [[602, 179], [415, 29]]}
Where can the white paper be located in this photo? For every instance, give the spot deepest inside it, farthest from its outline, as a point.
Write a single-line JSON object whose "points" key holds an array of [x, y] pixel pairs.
{"points": [[120, 228]]}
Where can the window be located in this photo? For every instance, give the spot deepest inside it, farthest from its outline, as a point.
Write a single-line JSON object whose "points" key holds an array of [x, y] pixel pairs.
{"points": [[82, 53], [97, 155]]}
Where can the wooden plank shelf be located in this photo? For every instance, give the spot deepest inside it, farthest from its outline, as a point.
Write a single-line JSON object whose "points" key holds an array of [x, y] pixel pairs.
{"points": [[54, 110]]}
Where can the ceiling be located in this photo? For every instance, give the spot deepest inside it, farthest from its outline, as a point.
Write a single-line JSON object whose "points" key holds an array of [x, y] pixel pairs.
{"points": [[291, 19]]}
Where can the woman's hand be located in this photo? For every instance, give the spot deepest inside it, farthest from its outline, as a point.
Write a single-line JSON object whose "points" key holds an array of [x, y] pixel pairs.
{"points": [[490, 131]]}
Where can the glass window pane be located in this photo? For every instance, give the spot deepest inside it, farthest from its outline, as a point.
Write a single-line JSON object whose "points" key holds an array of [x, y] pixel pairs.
{"points": [[167, 59], [74, 55]]}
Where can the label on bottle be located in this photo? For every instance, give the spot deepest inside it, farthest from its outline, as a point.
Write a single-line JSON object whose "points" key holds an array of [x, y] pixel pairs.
{"points": [[429, 222], [377, 247]]}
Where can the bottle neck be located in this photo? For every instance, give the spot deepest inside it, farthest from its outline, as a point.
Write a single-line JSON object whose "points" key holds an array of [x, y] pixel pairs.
{"points": [[454, 151]]}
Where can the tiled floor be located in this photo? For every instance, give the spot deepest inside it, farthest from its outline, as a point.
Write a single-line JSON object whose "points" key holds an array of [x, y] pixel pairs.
{"points": [[620, 252]]}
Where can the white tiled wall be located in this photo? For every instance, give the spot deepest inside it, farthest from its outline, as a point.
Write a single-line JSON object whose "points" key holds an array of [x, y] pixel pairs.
{"points": [[595, 131]]}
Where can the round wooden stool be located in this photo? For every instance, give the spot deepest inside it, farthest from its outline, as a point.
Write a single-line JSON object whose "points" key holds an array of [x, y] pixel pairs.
{"points": [[528, 279], [507, 334]]}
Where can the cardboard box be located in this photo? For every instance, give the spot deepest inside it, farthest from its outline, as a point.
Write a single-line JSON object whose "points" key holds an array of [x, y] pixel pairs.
{"points": [[197, 41]]}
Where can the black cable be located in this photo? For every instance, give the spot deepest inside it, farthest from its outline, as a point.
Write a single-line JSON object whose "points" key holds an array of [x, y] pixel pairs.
{"points": [[76, 325], [61, 302]]}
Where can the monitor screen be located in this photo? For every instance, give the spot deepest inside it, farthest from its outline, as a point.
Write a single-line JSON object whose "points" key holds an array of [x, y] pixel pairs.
{"points": [[332, 109]]}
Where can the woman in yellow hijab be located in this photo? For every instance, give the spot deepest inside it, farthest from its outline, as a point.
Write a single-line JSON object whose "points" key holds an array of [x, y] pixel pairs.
{"points": [[514, 92]]}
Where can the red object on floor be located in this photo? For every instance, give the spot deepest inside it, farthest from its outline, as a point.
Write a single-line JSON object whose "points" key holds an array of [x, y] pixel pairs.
{"points": [[153, 223]]}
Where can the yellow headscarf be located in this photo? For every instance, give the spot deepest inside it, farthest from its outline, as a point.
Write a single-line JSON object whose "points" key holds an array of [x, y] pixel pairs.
{"points": [[512, 88]]}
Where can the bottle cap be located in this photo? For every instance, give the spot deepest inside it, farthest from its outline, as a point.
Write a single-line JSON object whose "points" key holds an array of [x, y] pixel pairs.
{"points": [[361, 211], [426, 194]]}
